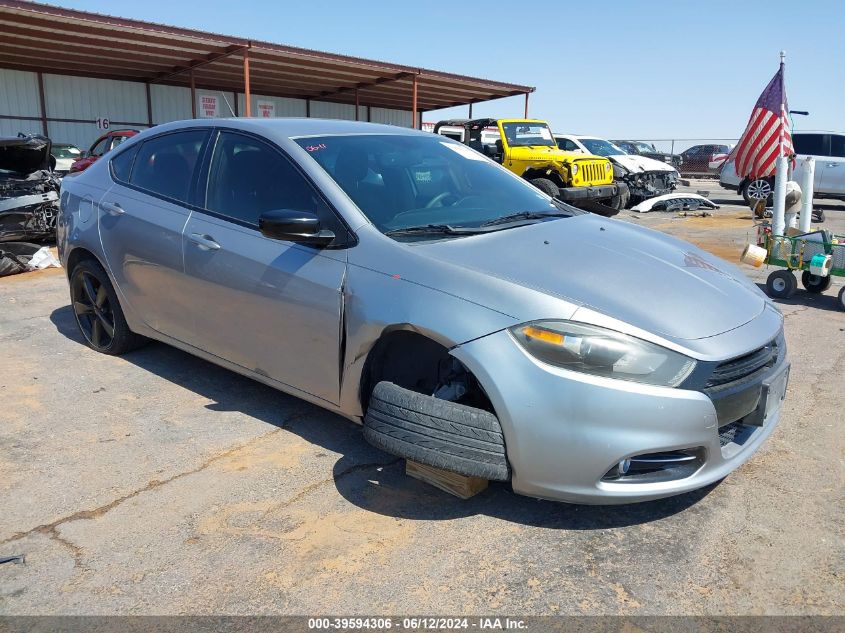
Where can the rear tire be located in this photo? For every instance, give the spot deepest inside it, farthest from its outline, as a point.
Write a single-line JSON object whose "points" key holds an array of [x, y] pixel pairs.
{"points": [[781, 284], [546, 186], [757, 189], [814, 283], [436, 432], [841, 298], [97, 310]]}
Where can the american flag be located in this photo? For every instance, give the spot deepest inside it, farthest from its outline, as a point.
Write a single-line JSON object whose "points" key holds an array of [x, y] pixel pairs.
{"points": [[767, 130]]}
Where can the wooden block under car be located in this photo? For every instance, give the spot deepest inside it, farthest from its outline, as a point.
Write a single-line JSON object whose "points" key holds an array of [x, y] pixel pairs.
{"points": [[463, 486]]}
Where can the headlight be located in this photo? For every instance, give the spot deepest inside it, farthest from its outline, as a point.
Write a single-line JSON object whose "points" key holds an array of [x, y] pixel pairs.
{"points": [[574, 169], [607, 166], [593, 350]]}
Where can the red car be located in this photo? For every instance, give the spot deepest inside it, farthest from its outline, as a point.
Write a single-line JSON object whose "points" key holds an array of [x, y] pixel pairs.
{"points": [[106, 142]]}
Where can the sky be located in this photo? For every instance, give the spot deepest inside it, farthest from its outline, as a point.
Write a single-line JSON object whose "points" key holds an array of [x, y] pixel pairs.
{"points": [[647, 69]]}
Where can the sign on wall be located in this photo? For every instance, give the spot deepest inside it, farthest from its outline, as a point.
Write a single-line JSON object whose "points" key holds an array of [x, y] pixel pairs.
{"points": [[266, 109], [209, 106], [103, 123]]}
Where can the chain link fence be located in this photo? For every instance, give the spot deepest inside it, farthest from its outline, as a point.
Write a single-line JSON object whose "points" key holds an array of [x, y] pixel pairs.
{"points": [[693, 157]]}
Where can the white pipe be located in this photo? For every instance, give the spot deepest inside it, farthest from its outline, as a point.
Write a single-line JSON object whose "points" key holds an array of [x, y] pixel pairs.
{"points": [[778, 220], [807, 182]]}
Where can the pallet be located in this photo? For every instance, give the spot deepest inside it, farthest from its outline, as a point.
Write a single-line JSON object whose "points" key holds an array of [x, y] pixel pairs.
{"points": [[462, 486]]}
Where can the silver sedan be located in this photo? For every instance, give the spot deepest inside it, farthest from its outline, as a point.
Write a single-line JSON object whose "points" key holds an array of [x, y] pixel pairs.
{"points": [[401, 279]]}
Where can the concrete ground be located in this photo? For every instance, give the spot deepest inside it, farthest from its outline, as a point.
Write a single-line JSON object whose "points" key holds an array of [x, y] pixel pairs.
{"points": [[159, 483]]}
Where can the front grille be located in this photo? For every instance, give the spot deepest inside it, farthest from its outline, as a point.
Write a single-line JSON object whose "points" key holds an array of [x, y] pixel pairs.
{"points": [[735, 433], [592, 173], [744, 366]]}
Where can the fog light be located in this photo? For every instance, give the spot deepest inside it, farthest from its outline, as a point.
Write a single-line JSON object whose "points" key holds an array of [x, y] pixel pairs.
{"points": [[623, 467]]}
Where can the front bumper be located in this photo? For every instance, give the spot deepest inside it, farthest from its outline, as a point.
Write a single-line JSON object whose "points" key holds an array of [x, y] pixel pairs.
{"points": [[565, 431], [599, 192]]}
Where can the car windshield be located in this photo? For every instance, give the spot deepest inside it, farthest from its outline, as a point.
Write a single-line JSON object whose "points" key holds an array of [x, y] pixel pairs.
{"points": [[65, 151], [600, 147], [403, 181], [528, 134], [644, 147]]}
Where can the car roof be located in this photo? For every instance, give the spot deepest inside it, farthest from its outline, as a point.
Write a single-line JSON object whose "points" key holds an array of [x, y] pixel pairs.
{"points": [[817, 132], [293, 127]]}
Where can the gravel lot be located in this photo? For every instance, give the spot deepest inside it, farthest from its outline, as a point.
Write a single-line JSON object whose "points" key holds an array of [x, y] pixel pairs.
{"points": [[159, 483]]}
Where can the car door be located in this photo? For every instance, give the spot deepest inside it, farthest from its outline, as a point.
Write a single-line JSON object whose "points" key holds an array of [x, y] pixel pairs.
{"points": [[833, 174], [141, 218], [270, 306]]}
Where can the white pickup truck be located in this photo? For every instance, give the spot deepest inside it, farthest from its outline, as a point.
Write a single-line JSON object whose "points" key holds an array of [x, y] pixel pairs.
{"points": [[828, 148]]}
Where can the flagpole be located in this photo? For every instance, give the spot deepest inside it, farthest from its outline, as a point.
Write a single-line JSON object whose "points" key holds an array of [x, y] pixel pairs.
{"points": [[779, 203]]}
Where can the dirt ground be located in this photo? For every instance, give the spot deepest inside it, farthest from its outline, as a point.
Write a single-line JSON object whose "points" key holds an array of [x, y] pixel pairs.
{"points": [[158, 483]]}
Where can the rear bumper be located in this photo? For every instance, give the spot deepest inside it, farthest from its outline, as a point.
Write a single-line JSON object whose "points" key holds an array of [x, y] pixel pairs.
{"points": [[600, 192], [565, 431]]}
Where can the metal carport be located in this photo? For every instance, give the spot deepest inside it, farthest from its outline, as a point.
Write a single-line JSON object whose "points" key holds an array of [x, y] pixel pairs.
{"points": [[46, 39]]}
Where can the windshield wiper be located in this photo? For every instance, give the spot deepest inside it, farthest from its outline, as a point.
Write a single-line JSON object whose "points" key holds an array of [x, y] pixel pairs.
{"points": [[434, 229], [527, 215]]}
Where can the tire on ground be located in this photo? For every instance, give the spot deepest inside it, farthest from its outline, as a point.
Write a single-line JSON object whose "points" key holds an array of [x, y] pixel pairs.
{"points": [[124, 339], [815, 283], [436, 432], [781, 284], [747, 197], [546, 186]]}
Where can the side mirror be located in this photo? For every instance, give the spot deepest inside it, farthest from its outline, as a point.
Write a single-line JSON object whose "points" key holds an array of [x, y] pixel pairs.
{"points": [[83, 154], [294, 226]]}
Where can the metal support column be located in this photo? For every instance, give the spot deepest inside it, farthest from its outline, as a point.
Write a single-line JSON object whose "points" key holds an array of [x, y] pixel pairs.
{"points": [[414, 104], [526, 105], [247, 98], [357, 105], [193, 96], [149, 104], [43, 104]]}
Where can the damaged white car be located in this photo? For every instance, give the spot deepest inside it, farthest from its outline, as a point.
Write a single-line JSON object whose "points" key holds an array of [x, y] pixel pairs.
{"points": [[29, 190], [645, 177]]}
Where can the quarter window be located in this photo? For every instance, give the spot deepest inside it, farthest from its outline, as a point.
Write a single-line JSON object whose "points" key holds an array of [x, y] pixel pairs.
{"points": [[165, 164], [121, 164], [837, 146], [248, 177]]}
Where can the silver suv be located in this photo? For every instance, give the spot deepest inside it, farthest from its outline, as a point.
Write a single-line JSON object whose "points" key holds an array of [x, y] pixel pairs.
{"points": [[407, 282], [828, 148]]}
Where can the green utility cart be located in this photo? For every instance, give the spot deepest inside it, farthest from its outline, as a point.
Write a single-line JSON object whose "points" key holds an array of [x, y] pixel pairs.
{"points": [[803, 252]]}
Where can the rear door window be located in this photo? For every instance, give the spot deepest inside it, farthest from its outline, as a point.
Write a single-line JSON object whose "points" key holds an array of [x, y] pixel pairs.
{"points": [[99, 147], [165, 165], [814, 144]]}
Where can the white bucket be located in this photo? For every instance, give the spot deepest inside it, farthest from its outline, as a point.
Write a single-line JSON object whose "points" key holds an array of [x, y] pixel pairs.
{"points": [[753, 255]]}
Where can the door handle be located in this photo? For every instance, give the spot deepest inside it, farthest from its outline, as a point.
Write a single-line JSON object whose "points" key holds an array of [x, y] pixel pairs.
{"points": [[205, 242], [112, 208]]}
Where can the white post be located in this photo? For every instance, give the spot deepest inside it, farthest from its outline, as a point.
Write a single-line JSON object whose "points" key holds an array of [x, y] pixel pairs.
{"points": [[779, 207], [807, 180]]}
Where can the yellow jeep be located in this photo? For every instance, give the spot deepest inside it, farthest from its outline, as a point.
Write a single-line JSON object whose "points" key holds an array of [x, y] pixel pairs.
{"points": [[528, 148]]}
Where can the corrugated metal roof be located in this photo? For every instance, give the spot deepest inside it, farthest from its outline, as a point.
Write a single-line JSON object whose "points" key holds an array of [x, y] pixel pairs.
{"points": [[53, 39]]}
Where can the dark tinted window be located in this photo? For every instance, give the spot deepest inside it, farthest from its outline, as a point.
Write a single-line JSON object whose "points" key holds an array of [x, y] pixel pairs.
{"points": [[837, 145], [121, 164], [567, 145], [165, 164], [810, 144], [248, 177]]}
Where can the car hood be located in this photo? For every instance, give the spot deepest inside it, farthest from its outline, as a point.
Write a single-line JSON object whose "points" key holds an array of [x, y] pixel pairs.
{"points": [[25, 154], [635, 163], [642, 277]]}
